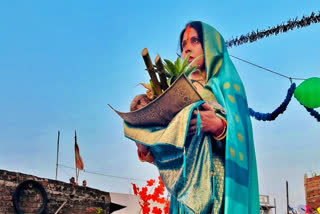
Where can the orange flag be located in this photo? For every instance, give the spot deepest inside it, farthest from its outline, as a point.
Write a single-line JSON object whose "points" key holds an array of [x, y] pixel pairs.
{"points": [[79, 163]]}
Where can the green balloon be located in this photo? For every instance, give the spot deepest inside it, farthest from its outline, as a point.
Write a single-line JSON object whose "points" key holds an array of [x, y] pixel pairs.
{"points": [[308, 92]]}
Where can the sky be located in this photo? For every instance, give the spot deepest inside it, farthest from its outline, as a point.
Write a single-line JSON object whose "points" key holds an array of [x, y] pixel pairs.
{"points": [[62, 62]]}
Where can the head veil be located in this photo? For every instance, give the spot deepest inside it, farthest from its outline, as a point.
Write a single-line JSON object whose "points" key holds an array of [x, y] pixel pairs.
{"points": [[241, 182]]}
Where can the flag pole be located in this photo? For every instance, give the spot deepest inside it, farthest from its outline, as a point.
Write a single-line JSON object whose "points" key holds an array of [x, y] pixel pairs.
{"points": [[57, 155], [78, 159], [75, 142], [287, 197]]}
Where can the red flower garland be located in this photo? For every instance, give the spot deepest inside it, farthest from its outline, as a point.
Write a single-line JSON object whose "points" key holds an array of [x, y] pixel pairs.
{"points": [[156, 196]]}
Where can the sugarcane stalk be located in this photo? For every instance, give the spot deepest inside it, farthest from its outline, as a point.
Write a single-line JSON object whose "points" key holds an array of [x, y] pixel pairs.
{"points": [[161, 72], [153, 76]]}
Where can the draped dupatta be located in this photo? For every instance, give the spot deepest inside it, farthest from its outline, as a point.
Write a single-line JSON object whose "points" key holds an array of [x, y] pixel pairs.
{"points": [[185, 163]]}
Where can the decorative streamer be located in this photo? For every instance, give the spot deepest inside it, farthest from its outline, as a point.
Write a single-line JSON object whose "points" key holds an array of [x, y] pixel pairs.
{"points": [[184, 162], [279, 110], [313, 113], [282, 108], [282, 28], [198, 123], [213, 188]]}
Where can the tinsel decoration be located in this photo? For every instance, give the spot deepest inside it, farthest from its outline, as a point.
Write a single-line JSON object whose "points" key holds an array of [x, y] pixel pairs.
{"points": [[279, 110], [282, 28], [313, 113]]}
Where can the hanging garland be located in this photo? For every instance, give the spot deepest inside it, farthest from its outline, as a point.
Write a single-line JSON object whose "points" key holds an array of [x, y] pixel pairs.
{"points": [[282, 108], [279, 110], [282, 28], [313, 113]]}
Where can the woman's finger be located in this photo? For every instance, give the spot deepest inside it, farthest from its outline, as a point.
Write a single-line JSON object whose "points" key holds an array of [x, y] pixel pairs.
{"points": [[192, 132], [206, 107], [142, 148], [193, 122], [192, 128]]}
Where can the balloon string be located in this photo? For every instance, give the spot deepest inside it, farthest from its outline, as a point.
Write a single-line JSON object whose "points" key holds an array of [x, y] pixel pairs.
{"points": [[290, 78]]}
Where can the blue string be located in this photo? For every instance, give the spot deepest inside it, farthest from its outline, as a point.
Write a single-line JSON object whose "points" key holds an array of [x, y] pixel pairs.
{"points": [[279, 110]]}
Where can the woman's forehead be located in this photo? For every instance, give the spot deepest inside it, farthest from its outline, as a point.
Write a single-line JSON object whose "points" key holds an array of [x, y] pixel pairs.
{"points": [[192, 33]]}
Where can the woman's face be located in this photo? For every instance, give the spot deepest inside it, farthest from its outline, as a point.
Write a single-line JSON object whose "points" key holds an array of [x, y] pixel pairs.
{"points": [[191, 45]]}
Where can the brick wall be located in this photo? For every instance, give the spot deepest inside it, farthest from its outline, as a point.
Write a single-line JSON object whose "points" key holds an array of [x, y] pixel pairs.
{"points": [[80, 200], [312, 189]]}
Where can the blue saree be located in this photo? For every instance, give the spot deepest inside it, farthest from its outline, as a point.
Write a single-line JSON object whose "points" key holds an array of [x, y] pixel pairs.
{"points": [[204, 175]]}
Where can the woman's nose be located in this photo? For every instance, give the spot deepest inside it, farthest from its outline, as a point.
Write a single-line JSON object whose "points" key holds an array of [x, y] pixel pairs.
{"points": [[187, 50]]}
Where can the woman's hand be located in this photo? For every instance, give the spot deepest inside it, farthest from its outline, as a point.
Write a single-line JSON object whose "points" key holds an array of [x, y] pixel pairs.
{"points": [[210, 123], [144, 153], [142, 148]]}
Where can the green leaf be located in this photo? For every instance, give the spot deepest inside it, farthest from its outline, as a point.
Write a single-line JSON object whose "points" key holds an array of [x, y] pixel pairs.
{"points": [[174, 70], [195, 59], [146, 86], [177, 63], [197, 82], [167, 74], [171, 68], [203, 78], [167, 70], [185, 62], [171, 80], [152, 88], [190, 70]]}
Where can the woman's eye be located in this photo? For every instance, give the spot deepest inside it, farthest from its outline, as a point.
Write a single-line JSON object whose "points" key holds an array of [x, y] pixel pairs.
{"points": [[184, 43], [194, 40]]}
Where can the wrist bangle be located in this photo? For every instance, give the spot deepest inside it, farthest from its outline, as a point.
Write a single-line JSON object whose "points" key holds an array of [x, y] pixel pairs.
{"points": [[224, 132]]}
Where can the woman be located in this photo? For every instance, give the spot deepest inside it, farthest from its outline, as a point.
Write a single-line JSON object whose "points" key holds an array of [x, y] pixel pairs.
{"points": [[214, 170]]}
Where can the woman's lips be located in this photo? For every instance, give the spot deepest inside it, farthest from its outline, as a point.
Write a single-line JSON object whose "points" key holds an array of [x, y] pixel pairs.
{"points": [[190, 59]]}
